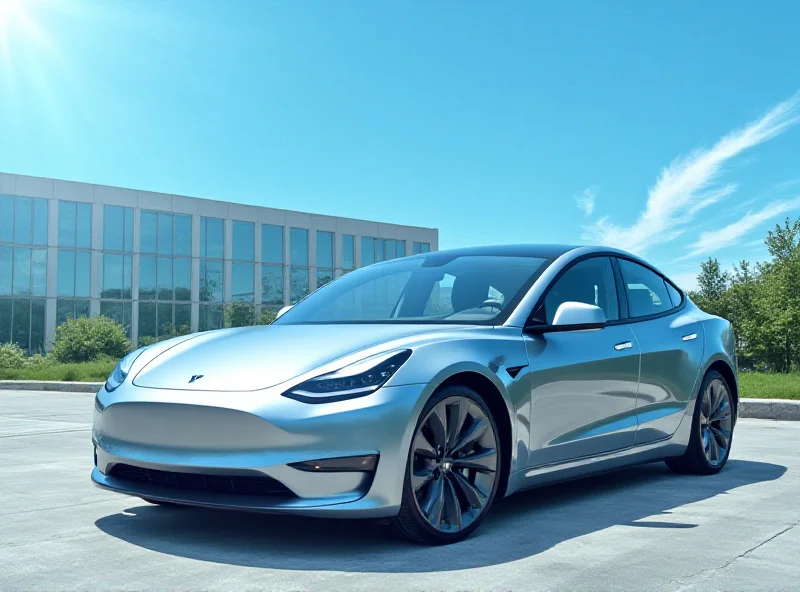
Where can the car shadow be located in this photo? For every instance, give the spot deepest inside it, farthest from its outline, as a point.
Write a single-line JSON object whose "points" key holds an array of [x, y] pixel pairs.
{"points": [[520, 526]]}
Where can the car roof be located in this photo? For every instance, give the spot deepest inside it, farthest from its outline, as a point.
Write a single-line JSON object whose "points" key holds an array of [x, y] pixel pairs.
{"points": [[544, 251]]}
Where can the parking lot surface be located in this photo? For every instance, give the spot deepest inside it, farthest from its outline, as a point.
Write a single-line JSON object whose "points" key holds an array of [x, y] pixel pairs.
{"points": [[640, 529]]}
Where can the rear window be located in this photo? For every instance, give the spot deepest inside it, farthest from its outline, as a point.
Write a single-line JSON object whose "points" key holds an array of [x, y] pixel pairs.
{"points": [[647, 291]]}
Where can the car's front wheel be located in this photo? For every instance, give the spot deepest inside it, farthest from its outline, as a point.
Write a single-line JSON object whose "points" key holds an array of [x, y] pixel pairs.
{"points": [[712, 429], [453, 469]]}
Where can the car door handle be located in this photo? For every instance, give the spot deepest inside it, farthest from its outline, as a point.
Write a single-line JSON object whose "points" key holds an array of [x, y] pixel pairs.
{"points": [[689, 337], [623, 345]]}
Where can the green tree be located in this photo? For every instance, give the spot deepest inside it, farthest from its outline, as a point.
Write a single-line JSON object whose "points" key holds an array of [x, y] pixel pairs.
{"points": [[267, 316], [239, 314], [783, 243], [88, 338]]}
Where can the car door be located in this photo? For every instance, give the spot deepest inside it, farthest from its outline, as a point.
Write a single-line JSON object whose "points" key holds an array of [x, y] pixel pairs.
{"points": [[671, 342], [583, 382]]}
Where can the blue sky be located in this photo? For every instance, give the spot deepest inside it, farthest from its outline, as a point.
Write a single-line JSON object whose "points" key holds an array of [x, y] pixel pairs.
{"points": [[668, 129]]}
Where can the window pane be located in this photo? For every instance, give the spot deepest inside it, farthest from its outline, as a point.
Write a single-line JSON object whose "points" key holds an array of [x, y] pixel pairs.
{"points": [[127, 269], [164, 315], [112, 228], [391, 249], [66, 273], [22, 272], [112, 276], [299, 284], [348, 252], [647, 293], [211, 281], [324, 276], [148, 232], [67, 213], [210, 317], [183, 319], [271, 243], [147, 319], [164, 276], [37, 326], [7, 227], [83, 238], [182, 272], [39, 272], [242, 282], [20, 331], [81, 308], [83, 271], [401, 248], [6, 305], [367, 251], [147, 278], [6, 254], [112, 310], [674, 295], [212, 237], [128, 243], [590, 282], [379, 253], [39, 221], [426, 247], [324, 249], [298, 246], [183, 235], [271, 285], [164, 234], [243, 240], [23, 225], [65, 309]]}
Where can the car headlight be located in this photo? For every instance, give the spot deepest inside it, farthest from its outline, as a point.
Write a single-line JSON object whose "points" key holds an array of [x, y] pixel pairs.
{"points": [[356, 380], [120, 373]]}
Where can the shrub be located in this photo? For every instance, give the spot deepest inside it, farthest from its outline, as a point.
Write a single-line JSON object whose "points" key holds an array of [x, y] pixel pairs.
{"points": [[239, 314], [12, 357], [267, 316], [87, 338]]}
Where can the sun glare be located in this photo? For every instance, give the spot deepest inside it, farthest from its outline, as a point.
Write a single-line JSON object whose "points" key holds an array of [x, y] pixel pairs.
{"points": [[8, 10]]}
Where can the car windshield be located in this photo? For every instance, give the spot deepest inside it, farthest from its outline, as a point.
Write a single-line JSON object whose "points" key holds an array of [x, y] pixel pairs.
{"points": [[436, 288]]}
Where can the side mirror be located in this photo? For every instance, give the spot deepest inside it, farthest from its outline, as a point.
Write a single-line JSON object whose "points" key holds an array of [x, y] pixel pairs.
{"points": [[283, 310], [573, 316]]}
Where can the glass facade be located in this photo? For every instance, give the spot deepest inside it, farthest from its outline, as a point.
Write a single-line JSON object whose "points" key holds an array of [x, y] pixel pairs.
{"points": [[212, 272], [116, 266], [156, 272], [298, 273], [165, 275], [375, 250], [422, 248], [23, 271]]}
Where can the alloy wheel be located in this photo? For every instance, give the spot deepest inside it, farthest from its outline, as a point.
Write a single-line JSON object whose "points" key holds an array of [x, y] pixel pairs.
{"points": [[454, 464], [716, 422]]}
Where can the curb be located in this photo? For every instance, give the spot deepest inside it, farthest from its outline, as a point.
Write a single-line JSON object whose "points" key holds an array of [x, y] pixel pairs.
{"points": [[52, 386], [781, 409]]}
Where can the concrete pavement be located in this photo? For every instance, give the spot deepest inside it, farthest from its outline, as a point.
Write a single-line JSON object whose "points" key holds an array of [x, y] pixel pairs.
{"points": [[642, 528]]}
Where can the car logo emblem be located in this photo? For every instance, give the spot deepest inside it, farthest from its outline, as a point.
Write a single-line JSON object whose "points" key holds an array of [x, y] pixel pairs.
{"points": [[195, 378]]}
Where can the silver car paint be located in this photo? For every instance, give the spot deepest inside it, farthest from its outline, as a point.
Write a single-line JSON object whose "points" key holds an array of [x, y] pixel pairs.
{"points": [[567, 418]]}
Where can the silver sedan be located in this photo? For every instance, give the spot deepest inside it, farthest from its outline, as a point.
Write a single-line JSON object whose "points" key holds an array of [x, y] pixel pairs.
{"points": [[421, 389]]}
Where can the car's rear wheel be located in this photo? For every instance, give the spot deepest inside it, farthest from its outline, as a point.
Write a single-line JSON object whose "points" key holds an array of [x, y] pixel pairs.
{"points": [[712, 429], [453, 469]]}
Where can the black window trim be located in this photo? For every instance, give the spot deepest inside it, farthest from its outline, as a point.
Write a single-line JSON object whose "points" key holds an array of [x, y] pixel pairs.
{"points": [[532, 321], [671, 311]]}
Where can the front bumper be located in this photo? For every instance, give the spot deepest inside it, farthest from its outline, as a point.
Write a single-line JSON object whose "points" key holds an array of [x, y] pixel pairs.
{"points": [[204, 439]]}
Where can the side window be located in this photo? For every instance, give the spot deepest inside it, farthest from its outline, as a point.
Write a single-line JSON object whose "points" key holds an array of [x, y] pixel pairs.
{"points": [[591, 281], [674, 295], [647, 291]]}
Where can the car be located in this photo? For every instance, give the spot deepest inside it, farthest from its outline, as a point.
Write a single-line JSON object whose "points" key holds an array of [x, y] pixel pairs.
{"points": [[419, 390]]}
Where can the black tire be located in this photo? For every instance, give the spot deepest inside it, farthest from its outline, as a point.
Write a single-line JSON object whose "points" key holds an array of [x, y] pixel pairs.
{"points": [[694, 461], [410, 523]]}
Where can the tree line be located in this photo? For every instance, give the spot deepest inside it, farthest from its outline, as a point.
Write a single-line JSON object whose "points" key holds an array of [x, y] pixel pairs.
{"points": [[762, 301]]}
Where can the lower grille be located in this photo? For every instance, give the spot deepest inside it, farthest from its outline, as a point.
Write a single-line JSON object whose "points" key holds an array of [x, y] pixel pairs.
{"points": [[231, 484]]}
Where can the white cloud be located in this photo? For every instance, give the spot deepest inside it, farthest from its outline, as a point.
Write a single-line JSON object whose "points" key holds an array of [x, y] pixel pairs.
{"points": [[585, 201], [686, 186], [686, 280], [733, 233]]}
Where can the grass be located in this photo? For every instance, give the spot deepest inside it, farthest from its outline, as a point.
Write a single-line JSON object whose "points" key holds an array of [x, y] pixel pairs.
{"points": [[85, 372], [762, 385]]}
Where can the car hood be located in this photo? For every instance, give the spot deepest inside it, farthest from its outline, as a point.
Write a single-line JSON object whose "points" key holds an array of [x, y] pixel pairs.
{"points": [[253, 358]]}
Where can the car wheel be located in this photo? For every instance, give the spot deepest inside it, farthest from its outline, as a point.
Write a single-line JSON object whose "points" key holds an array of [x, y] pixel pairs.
{"points": [[712, 429], [453, 469]]}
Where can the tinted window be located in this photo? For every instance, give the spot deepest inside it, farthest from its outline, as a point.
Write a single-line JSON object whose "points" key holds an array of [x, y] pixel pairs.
{"points": [[183, 235], [647, 292], [243, 240], [271, 243], [674, 295], [592, 282], [212, 237], [298, 246], [324, 249], [348, 250]]}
